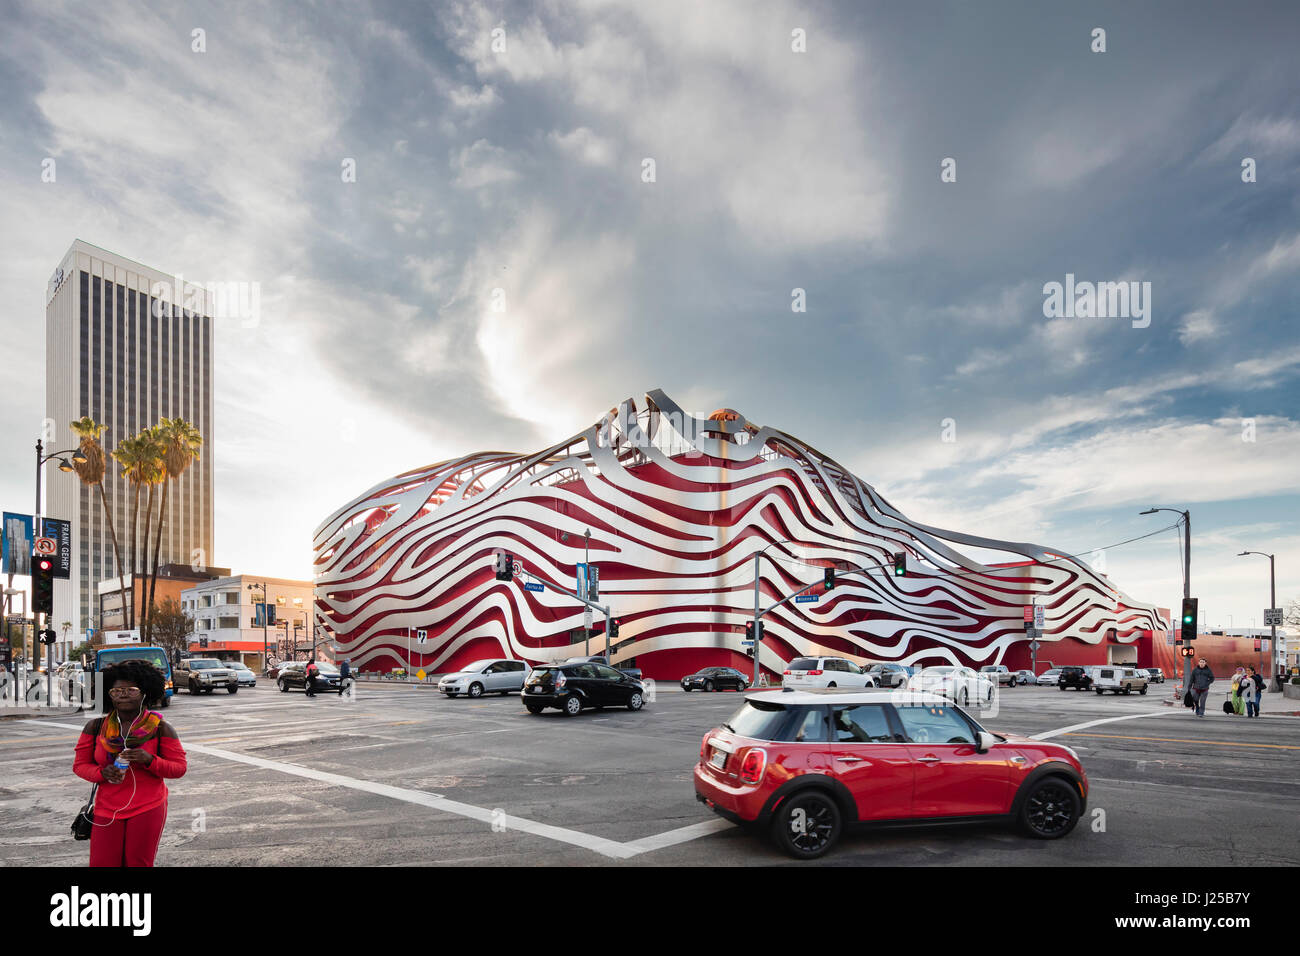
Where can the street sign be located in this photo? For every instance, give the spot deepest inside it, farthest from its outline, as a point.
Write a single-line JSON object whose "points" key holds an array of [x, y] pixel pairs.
{"points": [[586, 619], [1034, 645], [807, 599], [46, 546], [745, 643], [534, 586], [1029, 613], [1031, 632], [1272, 616], [1038, 616], [421, 636]]}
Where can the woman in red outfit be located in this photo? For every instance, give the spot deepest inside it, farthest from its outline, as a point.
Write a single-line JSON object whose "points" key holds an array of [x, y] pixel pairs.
{"points": [[129, 752]]}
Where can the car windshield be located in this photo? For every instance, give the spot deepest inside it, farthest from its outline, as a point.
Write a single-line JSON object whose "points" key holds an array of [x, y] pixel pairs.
{"points": [[758, 719], [204, 665], [940, 670], [476, 666], [155, 658], [803, 664]]}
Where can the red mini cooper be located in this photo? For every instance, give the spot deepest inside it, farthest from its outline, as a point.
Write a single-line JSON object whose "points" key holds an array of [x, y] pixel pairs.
{"points": [[802, 764]]}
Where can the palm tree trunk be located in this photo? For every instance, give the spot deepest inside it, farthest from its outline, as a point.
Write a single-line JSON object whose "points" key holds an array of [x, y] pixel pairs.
{"points": [[153, 580], [135, 511], [108, 519], [144, 557]]}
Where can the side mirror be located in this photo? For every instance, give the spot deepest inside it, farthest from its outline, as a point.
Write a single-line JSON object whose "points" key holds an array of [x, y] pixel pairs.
{"points": [[984, 742]]}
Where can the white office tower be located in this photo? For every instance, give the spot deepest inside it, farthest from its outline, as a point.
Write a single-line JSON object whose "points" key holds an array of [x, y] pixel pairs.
{"points": [[125, 347]]}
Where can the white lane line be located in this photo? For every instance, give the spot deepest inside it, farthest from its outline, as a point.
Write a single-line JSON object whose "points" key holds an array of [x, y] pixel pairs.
{"points": [[1093, 723], [681, 835]]}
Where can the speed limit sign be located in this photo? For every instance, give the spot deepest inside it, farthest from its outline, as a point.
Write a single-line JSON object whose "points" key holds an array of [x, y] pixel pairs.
{"points": [[46, 546]]}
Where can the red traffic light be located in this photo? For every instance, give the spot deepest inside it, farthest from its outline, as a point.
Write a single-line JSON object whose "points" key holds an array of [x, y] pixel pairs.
{"points": [[44, 564]]}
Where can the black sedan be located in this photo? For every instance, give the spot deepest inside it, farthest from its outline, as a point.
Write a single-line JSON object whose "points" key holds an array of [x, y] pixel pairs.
{"points": [[573, 687], [715, 678], [294, 675]]}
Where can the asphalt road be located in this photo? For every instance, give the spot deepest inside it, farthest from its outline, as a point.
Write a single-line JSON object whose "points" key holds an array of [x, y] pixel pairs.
{"points": [[402, 776]]}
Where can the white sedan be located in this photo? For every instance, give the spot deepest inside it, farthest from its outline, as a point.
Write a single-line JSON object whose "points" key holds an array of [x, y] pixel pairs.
{"points": [[961, 685]]}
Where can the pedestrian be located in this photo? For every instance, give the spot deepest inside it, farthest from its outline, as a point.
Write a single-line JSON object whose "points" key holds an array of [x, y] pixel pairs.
{"points": [[1254, 691], [310, 672], [1202, 678], [1239, 691], [345, 675], [130, 745]]}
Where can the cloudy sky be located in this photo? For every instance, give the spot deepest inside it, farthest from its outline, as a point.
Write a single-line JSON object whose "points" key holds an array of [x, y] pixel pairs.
{"points": [[501, 146]]}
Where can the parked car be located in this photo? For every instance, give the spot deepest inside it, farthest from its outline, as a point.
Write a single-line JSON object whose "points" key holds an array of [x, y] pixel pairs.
{"points": [[206, 674], [274, 670], [878, 757], [961, 685], [488, 676], [715, 678], [1155, 675], [244, 673], [294, 675], [574, 687], [999, 674], [1026, 677], [1077, 678], [1119, 680], [1049, 677], [809, 672], [890, 675]]}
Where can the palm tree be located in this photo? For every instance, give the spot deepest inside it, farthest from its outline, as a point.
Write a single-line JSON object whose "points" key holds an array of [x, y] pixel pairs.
{"points": [[91, 471], [181, 442], [135, 455], [154, 473]]}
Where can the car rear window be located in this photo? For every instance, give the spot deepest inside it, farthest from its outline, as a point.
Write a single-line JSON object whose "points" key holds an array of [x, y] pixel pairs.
{"points": [[108, 658], [759, 719], [804, 664]]}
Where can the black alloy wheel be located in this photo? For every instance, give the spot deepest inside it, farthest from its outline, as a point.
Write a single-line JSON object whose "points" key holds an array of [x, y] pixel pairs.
{"points": [[708, 686], [806, 825], [1051, 809]]}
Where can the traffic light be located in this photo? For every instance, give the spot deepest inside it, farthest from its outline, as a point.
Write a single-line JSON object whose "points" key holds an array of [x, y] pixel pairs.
{"points": [[613, 627], [1189, 651], [48, 636], [900, 564], [1188, 621], [828, 579], [749, 630], [505, 567], [42, 585]]}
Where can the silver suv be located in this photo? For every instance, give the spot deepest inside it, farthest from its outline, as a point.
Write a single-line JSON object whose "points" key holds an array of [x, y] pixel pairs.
{"points": [[205, 674], [488, 676], [1118, 680]]}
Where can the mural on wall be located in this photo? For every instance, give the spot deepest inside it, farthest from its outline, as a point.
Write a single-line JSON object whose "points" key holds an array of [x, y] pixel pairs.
{"points": [[677, 506]]}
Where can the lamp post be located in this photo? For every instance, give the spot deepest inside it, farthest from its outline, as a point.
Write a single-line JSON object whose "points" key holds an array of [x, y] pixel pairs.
{"points": [[264, 650], [1187, 576], [1272, 600], [64, 465], [758, 641]]}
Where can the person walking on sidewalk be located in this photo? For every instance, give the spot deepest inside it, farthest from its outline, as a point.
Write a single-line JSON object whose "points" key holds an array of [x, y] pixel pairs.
{"points": [[345, 677], [129, 752], [1254, 691], [310, 672], [1202, 678]]}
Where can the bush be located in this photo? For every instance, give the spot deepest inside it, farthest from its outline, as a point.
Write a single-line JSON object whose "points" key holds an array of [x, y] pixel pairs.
{"points": [[1296, 681]]}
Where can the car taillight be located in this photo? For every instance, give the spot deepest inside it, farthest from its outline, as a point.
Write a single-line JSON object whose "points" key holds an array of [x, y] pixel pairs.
{"points": [[814, 673], [752, 767], [704, 746], [786, 673], [560, 680]]}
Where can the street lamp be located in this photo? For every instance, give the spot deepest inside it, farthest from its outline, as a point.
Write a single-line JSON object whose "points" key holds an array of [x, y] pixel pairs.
{"points": [[1187, 573], [1272, 599], [758, 642], [263, 587], [64, 465]]}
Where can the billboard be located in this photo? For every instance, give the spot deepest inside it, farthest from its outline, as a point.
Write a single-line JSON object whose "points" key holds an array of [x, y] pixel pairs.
{"points": [[60, 531], [16, 549]]}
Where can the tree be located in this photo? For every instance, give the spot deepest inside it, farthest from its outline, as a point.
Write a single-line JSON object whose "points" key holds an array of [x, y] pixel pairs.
{"points": [[91, 472], [1291, 615], [85, 649], [180, 445], [138, 456], [171, 626]]}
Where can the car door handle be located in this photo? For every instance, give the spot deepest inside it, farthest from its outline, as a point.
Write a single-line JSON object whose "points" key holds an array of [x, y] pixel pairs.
{"points": [[849, 759], [928, 758]]}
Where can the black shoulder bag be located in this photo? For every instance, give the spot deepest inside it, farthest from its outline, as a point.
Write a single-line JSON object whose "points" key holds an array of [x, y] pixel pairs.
{"points": [[84, 823]]}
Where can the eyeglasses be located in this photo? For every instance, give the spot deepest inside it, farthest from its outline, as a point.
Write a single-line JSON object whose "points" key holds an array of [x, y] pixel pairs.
{"points": [[124, 691]]}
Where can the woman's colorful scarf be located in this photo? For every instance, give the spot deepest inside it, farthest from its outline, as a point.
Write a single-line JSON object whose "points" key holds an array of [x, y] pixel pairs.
{"points": [[140, 730]]}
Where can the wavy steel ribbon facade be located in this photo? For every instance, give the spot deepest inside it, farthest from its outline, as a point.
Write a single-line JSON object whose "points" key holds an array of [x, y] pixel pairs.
{"points": [[677, 507]]}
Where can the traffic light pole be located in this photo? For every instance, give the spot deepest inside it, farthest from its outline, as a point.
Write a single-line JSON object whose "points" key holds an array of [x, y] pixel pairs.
{"points": [[602, 608]]}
